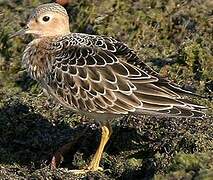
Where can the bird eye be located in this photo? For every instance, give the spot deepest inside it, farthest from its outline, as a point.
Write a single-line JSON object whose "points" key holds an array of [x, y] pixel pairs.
{"points": [[46, 18]]}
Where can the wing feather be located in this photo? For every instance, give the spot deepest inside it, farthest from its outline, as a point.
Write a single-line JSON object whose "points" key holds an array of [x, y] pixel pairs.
{"points": [[97, 78]]}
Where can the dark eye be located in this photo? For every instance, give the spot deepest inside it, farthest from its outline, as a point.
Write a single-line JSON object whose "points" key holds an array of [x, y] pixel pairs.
{"points": [[46, 18]]}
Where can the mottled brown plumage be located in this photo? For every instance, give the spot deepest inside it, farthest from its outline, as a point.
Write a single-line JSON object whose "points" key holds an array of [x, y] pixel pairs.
{"points": [[96, 75], [84, 73]]}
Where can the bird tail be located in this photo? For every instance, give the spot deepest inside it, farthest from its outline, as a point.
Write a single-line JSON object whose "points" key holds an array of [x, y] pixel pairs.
{"points": [[173, 105], [175, 111], [184, 112], [179, 90]]}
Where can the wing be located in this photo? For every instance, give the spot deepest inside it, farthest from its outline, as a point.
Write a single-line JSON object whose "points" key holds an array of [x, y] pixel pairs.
{"points": [[110, 44], [120, 49], [91, 79]]}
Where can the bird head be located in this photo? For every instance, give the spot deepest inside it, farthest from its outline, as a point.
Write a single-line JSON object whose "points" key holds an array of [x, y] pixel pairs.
{"points": [[47, 20]]}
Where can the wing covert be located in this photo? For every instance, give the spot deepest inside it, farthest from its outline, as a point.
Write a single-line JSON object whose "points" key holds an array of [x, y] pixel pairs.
{"points": [[94, 80], [100, 80]]}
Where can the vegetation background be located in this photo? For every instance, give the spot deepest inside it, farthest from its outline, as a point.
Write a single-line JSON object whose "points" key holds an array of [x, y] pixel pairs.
{"points": [[173, 36]]}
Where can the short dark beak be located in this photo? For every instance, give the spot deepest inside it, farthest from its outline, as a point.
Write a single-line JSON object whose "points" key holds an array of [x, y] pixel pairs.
{"points": [[19, 33]]}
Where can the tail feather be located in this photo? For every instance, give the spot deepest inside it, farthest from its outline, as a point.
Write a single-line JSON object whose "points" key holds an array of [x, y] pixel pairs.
{"points": [[177, 89], [158, 104], [193, 105], [175, 112], [184, 112]]}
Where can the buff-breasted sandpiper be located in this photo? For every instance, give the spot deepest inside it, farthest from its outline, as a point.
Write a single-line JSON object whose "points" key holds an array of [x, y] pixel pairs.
{"points": [[93, 75]]}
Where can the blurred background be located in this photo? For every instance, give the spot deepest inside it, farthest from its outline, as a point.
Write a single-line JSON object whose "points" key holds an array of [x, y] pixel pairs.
{"points": [[173, 36]]}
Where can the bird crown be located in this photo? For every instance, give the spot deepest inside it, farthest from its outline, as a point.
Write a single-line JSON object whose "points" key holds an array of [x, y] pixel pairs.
{"points": [[52, 7]]}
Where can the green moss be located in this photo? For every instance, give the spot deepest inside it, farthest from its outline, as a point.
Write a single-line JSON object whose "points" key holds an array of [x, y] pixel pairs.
{"points": [[190, 166], [174, 37], [186, 161], [133, 163]]}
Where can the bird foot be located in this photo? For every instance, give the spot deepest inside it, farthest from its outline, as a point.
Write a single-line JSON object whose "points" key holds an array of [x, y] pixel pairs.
{"points": [[95, 168], [83, 171], [79, 171]]}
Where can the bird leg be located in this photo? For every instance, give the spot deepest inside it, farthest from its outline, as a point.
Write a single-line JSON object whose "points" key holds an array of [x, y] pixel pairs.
{"points": [[106, 131], [58, 156]]}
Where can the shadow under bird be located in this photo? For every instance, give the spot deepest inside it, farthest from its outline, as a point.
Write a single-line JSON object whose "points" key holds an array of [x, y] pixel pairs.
{"points": [[90, 75]]}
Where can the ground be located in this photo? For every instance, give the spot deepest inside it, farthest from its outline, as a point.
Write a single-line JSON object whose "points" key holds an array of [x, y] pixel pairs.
{"points": [[172, 36]]}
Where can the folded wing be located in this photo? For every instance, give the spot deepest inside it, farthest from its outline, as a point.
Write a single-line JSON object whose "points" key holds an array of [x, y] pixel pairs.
{"points": [[98, 80]]}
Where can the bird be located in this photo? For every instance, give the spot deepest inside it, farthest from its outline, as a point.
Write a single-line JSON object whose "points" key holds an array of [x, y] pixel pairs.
{"points": [[97, 76]]}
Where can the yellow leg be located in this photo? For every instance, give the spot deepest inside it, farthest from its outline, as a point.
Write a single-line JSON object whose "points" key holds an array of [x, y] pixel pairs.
{"points": [[106, 131]]}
